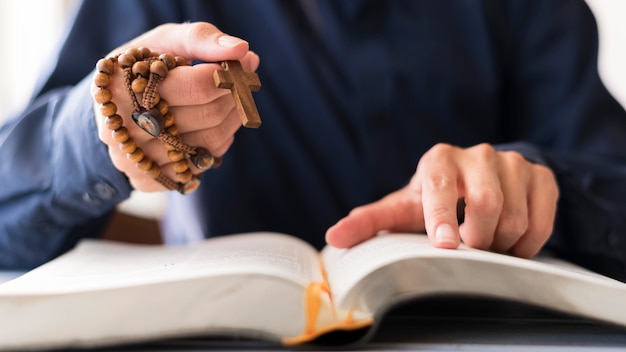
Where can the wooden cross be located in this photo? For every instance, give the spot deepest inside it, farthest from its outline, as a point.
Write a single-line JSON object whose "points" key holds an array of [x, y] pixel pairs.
{"points": [[241, 85]]}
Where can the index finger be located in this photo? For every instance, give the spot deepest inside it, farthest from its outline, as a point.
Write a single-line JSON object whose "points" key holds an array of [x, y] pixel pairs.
{"points": [[194, 85], [439, 187], [191, 85]]}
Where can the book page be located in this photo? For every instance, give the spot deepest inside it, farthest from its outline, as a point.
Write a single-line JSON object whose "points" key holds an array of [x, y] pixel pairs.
{"points": [[390, 267], [104, 293], [97, 264], [8, 275]]}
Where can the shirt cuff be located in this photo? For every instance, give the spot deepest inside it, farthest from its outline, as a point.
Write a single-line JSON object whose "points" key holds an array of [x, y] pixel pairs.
{"points": [[86, 181]]}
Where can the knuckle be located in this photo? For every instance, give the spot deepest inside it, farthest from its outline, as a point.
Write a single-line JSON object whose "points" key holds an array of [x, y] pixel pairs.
{"points": [[436, 155], [193, 86], [485, 200], [214, 137], [165, 27], [200, 29], [439, 182], [514, 161], [514, 158], [215, 112], [513, 223], [190, 82], [194, 91], [439, 151], [516, 164], [484, 151], [210, 138], [358, 211]]}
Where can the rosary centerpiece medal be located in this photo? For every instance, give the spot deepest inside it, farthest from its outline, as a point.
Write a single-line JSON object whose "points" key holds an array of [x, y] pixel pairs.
{"points": [[150, 121]]}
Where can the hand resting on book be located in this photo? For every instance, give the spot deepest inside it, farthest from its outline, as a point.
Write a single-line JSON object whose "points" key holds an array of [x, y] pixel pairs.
{"points": [[510, 203]]}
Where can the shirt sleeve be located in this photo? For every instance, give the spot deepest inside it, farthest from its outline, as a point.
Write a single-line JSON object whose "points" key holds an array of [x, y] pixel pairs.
{"points": [[57, 182], [555, 99]]}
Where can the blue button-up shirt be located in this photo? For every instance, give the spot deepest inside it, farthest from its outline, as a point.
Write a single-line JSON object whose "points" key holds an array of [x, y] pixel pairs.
{"points": [[354, 92]]}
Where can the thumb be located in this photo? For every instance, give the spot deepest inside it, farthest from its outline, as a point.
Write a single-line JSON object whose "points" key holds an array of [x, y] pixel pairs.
{"points": [[399, 211], [194, 41]]}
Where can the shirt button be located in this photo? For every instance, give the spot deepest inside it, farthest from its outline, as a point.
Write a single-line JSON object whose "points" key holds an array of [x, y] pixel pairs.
{"points": [[104, 190], [91, 200]]}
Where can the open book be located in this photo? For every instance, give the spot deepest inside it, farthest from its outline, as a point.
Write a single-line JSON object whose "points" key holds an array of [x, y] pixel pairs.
{"points": [[271, 287]]}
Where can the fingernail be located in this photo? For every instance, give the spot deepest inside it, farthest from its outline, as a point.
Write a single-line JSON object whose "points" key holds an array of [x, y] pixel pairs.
{"points": [[229, 42], [445, 234]]}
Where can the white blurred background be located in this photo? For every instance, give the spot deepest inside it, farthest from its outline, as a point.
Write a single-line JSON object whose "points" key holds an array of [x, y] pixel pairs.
{"points": [[30, 30]]}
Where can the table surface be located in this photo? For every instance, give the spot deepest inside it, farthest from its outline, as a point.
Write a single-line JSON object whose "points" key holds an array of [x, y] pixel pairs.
{"points": [[443, 324]]}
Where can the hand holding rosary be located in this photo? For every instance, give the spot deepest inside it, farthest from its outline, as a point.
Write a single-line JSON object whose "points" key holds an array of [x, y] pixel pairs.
{"points": [[142, 71]]}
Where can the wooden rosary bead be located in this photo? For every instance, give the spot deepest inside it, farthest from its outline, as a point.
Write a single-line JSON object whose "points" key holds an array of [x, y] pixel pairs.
{"points": [[108, 109], [139, 85], [184, 177], [180, 61], [105, 66], [159, 68], [180, 166], [154, 171], [169, 147], [217, 162], [126, 60], [163, 107], [101, 80], [145, 164], [145, 52], [141, 68], [121, 135], [169, 119], [173, 130], [136, 53], [114, 122], [175, 155], [129, 146], [169, 60], [135, 156], [102, 95]]}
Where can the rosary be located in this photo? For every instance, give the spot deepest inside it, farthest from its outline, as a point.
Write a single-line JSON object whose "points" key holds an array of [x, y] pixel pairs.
{"points": [[143, 70]]}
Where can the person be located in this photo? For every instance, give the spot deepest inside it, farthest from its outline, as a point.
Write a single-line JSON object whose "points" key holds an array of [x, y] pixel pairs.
{"points": [[477, 121]]}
